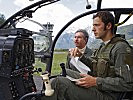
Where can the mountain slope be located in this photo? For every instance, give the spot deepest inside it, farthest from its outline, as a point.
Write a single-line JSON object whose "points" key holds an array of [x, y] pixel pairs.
{"points": [[65, 41]]}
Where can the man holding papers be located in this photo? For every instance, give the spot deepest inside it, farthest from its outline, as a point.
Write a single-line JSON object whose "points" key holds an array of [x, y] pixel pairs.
{"points": [[80, 41], [111, 64]]}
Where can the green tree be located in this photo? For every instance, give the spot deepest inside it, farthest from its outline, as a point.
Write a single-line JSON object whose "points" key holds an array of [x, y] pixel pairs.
{"points": [[2, 18]]}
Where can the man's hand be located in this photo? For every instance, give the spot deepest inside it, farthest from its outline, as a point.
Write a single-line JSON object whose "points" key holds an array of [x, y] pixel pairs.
{"points": [[75, 52], [87, 81]]}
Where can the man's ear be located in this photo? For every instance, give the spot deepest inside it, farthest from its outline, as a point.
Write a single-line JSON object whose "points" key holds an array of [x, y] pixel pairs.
{"points": [[86, 40], [108, 26]]}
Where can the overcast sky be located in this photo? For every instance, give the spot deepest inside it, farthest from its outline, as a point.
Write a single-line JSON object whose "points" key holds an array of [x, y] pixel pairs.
{"points": [[58, 13], [9, 7]]}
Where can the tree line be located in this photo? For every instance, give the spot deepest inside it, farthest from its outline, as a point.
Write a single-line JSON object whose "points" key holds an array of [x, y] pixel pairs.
{"points": [[2, 18]]}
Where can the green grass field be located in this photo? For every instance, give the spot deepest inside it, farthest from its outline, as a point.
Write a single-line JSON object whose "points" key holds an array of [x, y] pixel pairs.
{"points": [[58, 58]]}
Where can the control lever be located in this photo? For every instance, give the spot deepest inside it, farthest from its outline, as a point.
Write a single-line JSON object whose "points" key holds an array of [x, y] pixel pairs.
{"points": [[63, 69], [48, 90]]}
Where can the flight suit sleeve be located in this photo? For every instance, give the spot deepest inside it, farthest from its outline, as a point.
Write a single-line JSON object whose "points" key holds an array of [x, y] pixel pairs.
{"points": [[87, 60], [123, 66]]}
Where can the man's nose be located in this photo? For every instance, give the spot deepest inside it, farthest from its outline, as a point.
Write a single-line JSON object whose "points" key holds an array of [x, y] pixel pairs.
{"points": [[93, 28]]}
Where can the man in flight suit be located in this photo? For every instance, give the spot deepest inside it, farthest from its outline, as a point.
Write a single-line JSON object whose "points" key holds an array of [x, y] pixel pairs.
{"points": [[80, 40], [112, 67]]}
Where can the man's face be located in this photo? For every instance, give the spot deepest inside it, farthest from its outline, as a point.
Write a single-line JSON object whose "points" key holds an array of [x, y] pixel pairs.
{"points": [[99, 28], [79, 40]]}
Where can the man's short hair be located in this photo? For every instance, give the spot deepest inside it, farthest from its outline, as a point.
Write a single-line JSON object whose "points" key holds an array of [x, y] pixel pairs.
{"points": [[106, 18], [86, 35]]}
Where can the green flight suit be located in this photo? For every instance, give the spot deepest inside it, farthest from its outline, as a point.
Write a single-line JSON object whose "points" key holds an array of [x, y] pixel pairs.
{"points": [[112, 65], [115, 70], [88, 52]]}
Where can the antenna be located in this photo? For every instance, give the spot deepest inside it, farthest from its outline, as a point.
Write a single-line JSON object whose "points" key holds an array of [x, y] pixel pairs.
{"points": [[88, 6]]}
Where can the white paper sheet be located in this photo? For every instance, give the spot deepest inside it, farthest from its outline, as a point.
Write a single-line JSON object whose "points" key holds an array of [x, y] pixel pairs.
{"points": [[79, 65], [71, 78]]}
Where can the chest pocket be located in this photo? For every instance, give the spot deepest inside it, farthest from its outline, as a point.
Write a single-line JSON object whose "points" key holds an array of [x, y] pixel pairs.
{"points": [[102, 64], [102, 67]]}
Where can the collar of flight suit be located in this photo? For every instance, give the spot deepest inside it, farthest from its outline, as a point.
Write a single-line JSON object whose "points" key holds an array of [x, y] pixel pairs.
{"points": [[106, 42]]}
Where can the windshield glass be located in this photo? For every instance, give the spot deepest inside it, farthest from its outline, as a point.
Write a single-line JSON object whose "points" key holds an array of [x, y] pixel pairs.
{"points": [[126, 28]]}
